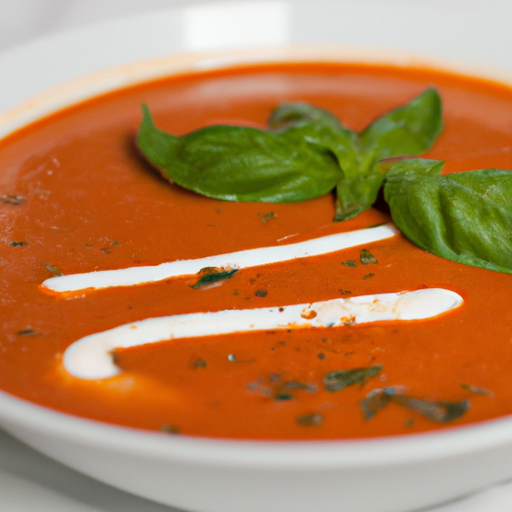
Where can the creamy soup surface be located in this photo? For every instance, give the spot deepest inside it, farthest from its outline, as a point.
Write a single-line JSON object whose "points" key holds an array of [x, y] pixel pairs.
{"points": [[76, 197]]}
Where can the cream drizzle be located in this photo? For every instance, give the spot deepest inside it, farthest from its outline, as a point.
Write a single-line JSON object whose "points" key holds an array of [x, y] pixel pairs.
{"points": [[133, 276], [91, 357]]}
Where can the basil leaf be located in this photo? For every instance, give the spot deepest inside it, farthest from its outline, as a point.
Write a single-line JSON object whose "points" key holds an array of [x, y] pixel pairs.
{"points": [[340, 379], [464, 217], [241, 164], [408, 130], [321, 128], [440, 411]]}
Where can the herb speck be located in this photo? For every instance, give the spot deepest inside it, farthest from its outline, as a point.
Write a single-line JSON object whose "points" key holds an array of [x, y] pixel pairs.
{"points": [[367, 258], [54, 269], [310, 420], [170, 429]]}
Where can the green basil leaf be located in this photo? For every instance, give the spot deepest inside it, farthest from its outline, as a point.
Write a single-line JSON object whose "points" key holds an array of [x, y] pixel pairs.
{"points": [[438, 411], [464, 217], [340, 379], [321, 128], [408, 130], [241, 164]]}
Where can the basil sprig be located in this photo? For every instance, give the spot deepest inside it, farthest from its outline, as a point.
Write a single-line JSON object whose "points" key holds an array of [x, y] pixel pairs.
{"points": [[408, 130], [464, 217], [305, 153]]}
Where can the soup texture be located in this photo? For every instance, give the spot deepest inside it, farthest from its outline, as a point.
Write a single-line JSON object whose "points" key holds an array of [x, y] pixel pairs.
{"points": [[76, 196]]}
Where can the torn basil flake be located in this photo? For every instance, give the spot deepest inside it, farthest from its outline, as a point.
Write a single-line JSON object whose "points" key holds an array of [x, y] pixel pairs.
{"points": [[340, 379], [375, 401], [214, 277], [283, 396], [295, 384], [54, 269], [475, 389], [438, 411], [367, 258], [13, 199], [310, 420]]}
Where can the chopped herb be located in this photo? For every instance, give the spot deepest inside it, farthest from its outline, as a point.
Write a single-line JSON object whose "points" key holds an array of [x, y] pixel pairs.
{"points": [[310, 420], [349, 263], [367, 258], [474, 389], [213, 277], [170, 429], [295, 384], [54, 269], [375, 401], [115, 243], [321, 356], [345, 292], [340, 379], [199, 363], [367, 276], [17, 244], [13, 199], [28, 331], [409, 422], [265, 217], [260, 293], [440, 412], [284, 395]]}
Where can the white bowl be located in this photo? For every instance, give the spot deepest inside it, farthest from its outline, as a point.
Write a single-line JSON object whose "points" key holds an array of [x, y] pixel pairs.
{"points": [[205, 475]]}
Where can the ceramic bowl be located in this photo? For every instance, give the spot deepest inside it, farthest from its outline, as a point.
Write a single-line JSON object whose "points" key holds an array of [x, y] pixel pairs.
{"points": [[394, 474]]}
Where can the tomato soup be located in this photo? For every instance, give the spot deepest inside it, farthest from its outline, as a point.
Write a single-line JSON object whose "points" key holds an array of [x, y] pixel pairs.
{"points": [[77, 197]]}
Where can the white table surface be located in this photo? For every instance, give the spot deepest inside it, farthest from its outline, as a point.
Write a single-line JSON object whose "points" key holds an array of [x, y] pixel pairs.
{"points": [[30, 481]]}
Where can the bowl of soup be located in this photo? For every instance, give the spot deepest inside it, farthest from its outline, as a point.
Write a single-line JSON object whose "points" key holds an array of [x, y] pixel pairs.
{"points": [[191, 311]]}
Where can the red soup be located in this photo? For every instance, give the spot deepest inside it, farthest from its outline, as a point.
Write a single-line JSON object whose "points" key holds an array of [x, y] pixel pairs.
{"points": [[76, 197]]}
